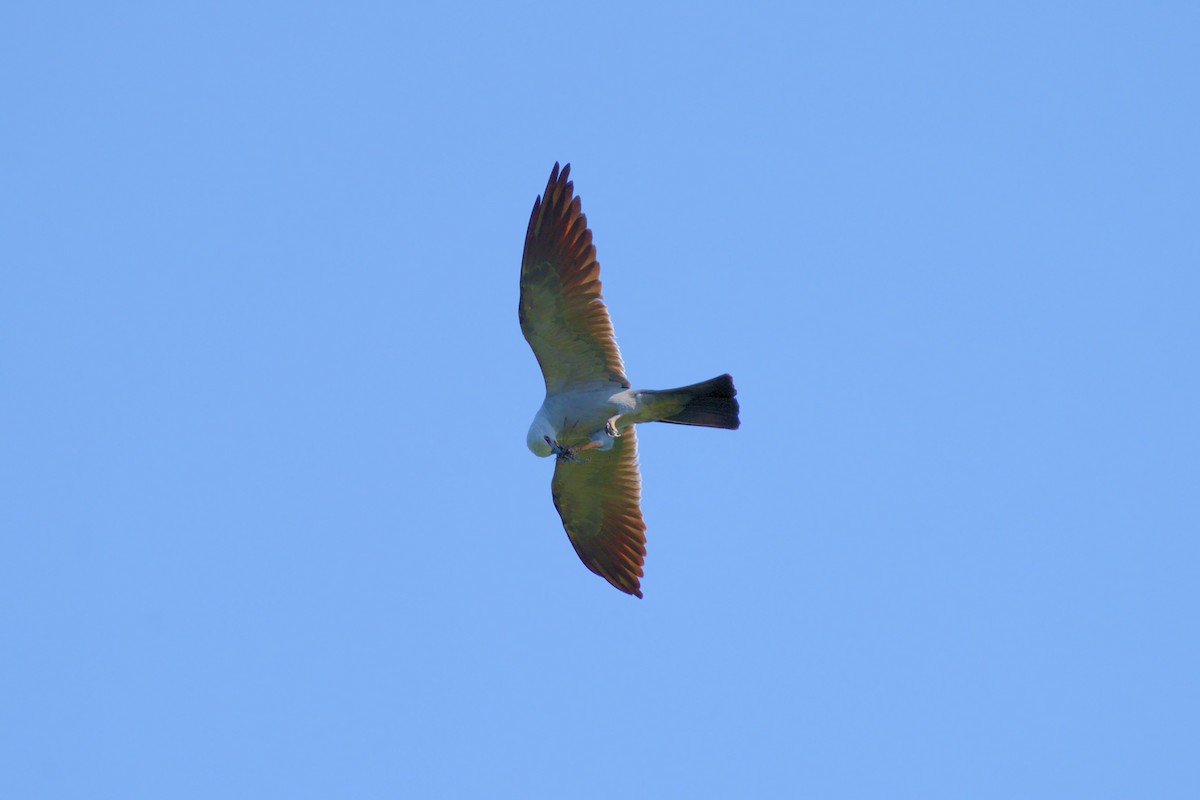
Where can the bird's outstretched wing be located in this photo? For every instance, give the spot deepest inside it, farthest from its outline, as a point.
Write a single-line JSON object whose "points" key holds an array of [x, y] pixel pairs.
{"points": [[599, 500], [562, 316]]}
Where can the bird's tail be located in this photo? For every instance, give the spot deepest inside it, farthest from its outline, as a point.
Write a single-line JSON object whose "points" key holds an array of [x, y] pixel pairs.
{"points": [[710, 403]]}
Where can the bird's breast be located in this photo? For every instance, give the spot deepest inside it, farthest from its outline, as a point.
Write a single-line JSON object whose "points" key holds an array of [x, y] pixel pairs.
{"points": [[576, 416]]}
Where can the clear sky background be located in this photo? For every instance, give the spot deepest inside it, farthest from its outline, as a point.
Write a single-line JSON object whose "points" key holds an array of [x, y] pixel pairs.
{"points": [[268, 524]]}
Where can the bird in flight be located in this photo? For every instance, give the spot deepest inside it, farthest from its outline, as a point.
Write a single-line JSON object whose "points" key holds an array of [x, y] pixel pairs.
{"points": [[587, 419]]}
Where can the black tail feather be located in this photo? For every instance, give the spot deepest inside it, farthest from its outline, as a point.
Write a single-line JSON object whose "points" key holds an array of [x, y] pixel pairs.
{"points": [[710, 403]]}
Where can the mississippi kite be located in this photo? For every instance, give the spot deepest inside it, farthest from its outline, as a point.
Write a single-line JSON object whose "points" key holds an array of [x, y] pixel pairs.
{"points": [[587, 418]]}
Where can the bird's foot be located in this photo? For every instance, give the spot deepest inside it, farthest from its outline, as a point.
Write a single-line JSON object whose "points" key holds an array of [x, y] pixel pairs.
{"points": [[610, 427]]}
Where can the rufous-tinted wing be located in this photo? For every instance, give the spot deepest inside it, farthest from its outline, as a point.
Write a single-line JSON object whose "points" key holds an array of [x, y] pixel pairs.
{"points": [[562, 314], [599, 499]]}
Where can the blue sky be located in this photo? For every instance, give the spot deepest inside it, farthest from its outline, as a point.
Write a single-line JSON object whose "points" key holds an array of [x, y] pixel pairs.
{"points": [[269, 527]]}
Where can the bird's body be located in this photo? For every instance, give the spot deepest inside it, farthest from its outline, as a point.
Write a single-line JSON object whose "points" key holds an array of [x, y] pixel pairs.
{"points": [[588, 416], [580, 419], [577, 419]]}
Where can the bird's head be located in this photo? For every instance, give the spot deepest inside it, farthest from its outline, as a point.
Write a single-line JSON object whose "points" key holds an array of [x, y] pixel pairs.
{"points": [[539, 439]]}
